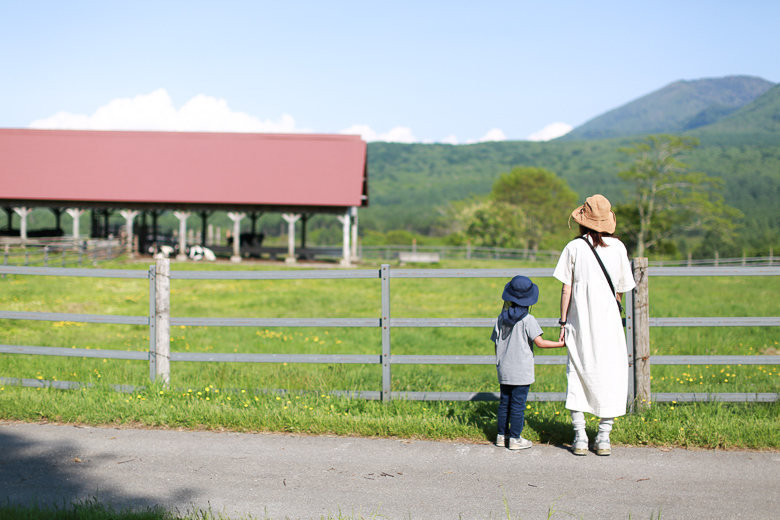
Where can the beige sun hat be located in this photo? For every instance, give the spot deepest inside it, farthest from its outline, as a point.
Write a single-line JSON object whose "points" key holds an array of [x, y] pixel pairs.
{"points": [[596, 214]]}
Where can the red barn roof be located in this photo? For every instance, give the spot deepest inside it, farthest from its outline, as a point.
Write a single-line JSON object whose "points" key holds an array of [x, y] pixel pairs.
{"points": [[182, 169]]}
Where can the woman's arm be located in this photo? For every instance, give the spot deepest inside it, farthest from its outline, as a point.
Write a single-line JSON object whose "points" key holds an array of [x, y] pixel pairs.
{"points": [[545, 343], [565, 300]]}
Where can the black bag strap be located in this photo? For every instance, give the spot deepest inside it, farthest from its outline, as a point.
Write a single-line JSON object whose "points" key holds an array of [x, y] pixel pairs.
{"points": [[604, 270]]}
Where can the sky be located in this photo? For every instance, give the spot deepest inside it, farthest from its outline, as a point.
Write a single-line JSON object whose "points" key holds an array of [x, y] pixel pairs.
{"points": [[405, 71]]}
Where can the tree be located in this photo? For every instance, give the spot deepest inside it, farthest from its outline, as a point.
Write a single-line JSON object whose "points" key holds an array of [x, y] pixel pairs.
{"points": [[544, 198], [664, 188], [489, 224]]}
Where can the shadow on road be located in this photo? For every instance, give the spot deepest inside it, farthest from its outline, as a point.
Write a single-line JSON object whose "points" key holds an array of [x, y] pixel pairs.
{"points": [[58, 474]]}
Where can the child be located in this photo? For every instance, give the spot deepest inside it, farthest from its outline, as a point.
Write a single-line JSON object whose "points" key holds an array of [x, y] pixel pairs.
{"points": [[515, 333]]}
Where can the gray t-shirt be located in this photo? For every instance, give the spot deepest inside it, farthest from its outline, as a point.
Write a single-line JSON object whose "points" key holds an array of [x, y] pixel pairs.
{"points": [[515, 350]]}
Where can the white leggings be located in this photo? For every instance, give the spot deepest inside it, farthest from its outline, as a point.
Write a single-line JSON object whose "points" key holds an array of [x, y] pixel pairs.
{"points": [[578, 421]]}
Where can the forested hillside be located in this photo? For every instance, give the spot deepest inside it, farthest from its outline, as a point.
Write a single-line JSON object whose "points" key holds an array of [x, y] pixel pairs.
{"points": [[756, 123], [411, 183]]}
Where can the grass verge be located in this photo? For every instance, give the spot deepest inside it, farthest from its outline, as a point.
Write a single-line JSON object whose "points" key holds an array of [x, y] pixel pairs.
{"points": [[702, 425]]}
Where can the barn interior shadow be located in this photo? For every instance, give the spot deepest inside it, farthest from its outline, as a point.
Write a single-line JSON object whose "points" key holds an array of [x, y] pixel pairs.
{"points": [[51, 474]]}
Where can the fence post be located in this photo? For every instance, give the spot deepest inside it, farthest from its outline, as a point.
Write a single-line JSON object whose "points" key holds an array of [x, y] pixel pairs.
{"points": [[45, 256], [641, 315], [384, 274], [152, 322], [162, 311], [630, 349]]}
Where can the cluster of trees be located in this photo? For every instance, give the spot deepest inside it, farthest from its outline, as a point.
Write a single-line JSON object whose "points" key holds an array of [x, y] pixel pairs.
{"points": [[668, 205]]}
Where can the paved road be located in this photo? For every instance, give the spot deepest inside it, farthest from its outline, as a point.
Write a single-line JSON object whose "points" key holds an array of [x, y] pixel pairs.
{"points": [[289, 476]]}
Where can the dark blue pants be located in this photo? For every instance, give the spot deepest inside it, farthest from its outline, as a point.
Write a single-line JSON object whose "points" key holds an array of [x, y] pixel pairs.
{"points": [[511, 410]]}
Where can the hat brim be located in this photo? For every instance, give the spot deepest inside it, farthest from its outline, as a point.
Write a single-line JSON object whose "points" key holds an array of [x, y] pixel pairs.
{"points": [[526, 301], [602, 226]]}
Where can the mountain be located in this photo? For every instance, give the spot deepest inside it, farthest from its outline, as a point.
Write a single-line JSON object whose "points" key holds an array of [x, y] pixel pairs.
{"points": [[677, 108], [757, 122]]}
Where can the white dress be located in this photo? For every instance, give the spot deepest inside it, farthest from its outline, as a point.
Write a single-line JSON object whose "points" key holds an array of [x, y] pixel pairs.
{"points": [[597, 370]]}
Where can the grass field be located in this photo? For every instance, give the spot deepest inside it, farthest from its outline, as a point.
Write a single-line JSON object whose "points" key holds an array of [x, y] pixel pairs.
{"points": [[197, 403]]}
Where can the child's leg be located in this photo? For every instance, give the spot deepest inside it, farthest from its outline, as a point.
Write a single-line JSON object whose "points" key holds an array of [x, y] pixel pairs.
{"points": [[580, 444], [517, 410], [502, 417]]}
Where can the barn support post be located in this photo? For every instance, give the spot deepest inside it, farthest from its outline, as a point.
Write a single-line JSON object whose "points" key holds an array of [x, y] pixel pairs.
{"points": [[23, 212], [291, 220], [129, 215], [254, 216], [304, 221], [641, 313], [205, 227], [9, 213], [106, 216], [162, 320], [182, 216], [57, 218], [236, 218], [354, 242], [345, 249]]}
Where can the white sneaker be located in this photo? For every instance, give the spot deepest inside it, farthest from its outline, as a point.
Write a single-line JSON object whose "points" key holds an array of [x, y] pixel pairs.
{"points": [[603, 446], [500, 441], [519, 443], [580, 445]]}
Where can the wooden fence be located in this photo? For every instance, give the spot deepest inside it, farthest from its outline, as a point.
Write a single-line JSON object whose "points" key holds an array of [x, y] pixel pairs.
{"points": [[638, 324]]}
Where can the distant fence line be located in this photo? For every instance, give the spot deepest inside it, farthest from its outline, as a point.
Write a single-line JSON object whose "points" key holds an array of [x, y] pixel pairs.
{"points": [[69, 252], [159, 321], [392, 252], [60, 252]]}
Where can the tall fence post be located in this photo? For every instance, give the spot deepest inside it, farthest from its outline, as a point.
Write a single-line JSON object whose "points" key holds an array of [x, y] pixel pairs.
{"points": [[630, 349], [152, 322], [384, 274], [641, 335], [162, 310]]}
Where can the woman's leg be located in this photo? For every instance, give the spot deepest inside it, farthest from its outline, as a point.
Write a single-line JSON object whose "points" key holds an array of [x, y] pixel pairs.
{"points": [[603, 446], [580, 444], [517, 410]]}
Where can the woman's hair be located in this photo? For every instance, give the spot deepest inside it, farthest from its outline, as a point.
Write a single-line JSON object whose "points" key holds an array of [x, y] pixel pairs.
{"points": [[595, 236]]}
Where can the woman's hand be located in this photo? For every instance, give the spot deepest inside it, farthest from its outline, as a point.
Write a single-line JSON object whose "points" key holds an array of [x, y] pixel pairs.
{"points": [[563, 333]]}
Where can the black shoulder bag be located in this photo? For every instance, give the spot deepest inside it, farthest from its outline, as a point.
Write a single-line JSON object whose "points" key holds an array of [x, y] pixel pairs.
{"points": [[604, 269]]}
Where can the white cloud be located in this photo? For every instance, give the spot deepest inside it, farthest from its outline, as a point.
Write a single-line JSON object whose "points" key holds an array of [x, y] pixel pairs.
{"points": [[450, 139], [155, 111], [551, 131], [494, 134], [398, 134]]}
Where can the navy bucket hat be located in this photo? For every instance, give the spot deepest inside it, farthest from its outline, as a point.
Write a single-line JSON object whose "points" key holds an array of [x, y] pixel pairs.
{"points": [[521, 291]]}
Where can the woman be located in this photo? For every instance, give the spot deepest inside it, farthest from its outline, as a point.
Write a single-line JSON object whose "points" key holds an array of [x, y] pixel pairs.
{"points": [[591, 325]]}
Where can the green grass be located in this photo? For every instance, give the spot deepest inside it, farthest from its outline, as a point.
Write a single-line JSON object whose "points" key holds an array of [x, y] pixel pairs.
{"points": [[702, 424], [94, 510]]}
